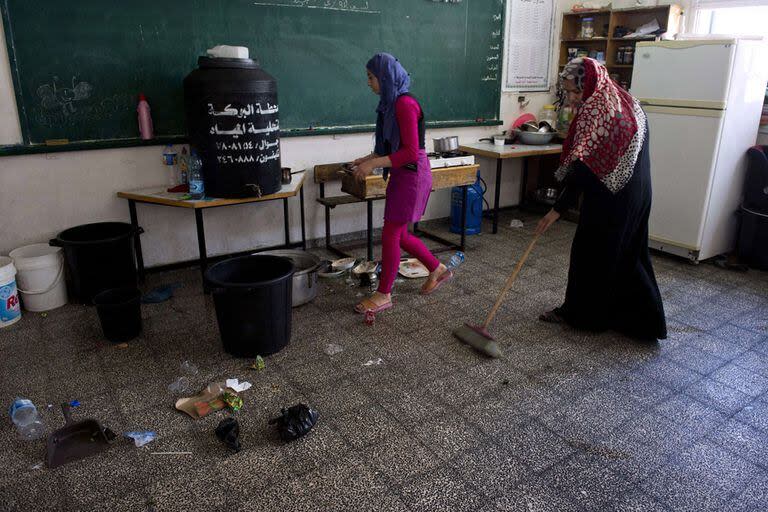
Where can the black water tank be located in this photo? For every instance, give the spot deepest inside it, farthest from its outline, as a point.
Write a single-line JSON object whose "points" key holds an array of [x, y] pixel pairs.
{"points": [[232, 119]]}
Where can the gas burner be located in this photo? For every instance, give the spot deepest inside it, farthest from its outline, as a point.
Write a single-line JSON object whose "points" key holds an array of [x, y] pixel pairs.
{"points": [[448, 154]]}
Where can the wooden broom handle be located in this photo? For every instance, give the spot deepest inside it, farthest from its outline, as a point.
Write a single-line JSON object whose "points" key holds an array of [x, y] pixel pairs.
{"points": [[510, 282]]}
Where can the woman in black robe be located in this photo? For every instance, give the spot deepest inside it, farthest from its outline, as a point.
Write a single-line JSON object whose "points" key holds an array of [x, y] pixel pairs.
{"points": [[611, 283]]}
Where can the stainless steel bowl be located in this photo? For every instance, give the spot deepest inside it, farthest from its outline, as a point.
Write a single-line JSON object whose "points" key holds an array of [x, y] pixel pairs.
{"points": [[534, 138], [305, 285]]}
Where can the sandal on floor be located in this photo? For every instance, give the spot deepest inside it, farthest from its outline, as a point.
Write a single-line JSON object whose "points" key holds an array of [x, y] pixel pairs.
{"points": [[444, 278], [551, 317], [366, 305]]}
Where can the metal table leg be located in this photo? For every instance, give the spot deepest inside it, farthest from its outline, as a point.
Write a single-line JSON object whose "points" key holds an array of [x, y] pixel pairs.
{"points": [[463, 217], [137, 239], [201, 240], [370, 229], [286, 222], [499, 163], [303, 227]]}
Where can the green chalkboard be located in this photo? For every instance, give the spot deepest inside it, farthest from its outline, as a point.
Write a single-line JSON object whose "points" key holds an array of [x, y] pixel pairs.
{"points": [[79, 66]]}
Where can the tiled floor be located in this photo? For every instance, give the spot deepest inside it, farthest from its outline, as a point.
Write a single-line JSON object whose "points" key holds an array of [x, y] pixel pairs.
{"points": [[564, 421]]}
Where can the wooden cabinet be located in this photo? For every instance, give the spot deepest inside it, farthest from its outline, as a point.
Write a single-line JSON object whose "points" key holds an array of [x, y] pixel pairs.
{"points": [[614, 50]]}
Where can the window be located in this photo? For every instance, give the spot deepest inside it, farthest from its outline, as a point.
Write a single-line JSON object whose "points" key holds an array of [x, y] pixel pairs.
{"points": [[748, 18]]}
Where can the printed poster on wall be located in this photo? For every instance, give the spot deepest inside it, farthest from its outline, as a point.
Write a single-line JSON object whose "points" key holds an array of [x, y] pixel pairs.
{"points": [[528, 47]]}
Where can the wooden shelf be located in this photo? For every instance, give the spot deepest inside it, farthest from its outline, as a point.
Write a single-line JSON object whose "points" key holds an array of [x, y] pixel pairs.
{"points": [[606, 21], [633, 39], [577, 40], [588, 13]]}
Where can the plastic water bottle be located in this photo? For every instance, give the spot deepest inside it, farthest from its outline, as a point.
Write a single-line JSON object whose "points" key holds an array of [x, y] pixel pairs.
{"points": [[170, 160], [145, 118], [27, 420], [196, 185], [456, 260]]}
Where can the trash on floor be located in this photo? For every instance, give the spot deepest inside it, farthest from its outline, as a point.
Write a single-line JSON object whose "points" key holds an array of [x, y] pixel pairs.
{"points": [[332, 349], [122, 346], [160, 294], [258, 364], [74, 403], [228, 433], [77, 440], [233, 401], [37, 466], [189, 368], [141, 437], [369, 318], [412, 269], [179, 386], [238, 386], [26, 419], [295, 421], [373, 362], [209, 400], [516, 223]]}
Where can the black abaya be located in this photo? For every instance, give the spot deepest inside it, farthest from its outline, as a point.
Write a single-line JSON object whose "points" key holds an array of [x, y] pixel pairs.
{"points": [[611, 283]]}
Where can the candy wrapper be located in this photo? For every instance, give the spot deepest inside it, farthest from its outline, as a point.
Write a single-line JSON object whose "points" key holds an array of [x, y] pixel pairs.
{"points": [[233, 401]]}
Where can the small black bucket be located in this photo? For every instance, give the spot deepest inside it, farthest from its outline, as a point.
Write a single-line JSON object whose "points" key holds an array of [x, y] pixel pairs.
{"points": [[119, 311], [99, 256], [253, 296]]}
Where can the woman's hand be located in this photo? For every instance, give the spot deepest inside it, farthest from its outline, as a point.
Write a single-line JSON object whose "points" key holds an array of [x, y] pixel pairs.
{"points": [[547, 221], [363, 169], [363, 159]]}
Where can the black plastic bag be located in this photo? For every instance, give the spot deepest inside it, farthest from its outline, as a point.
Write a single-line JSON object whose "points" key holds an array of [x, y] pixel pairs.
{"points": [[228, 432], [295, 421]]}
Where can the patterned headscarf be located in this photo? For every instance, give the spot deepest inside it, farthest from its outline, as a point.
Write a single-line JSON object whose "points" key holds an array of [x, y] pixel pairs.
{"points": [[608, 130], [393, 82]]}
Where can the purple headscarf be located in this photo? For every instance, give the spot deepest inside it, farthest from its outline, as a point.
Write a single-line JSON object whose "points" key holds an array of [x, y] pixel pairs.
{"points": [[393, 82]]}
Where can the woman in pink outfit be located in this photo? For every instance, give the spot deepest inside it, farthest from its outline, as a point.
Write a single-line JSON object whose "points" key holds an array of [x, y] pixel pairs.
{"points": [[400, 151]]}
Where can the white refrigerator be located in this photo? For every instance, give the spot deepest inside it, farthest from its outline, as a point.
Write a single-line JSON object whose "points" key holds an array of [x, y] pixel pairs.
{"points": [[703, 99]]}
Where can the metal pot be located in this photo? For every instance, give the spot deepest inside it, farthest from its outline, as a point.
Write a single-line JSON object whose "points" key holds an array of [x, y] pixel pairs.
{"points": [[305, 287], [446, 144]]}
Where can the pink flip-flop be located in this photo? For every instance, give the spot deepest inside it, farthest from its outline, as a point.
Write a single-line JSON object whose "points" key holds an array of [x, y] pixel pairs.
{"points": [[444, 278], [377, 309]]}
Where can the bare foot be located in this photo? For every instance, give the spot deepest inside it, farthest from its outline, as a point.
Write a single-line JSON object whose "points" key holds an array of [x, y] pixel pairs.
{"points": [[375, 301]]}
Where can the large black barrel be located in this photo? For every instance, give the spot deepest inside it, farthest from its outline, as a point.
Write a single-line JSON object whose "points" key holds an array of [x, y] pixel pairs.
{"points": [[753, 238], [99, 256], [232, 119], [252, 296]]}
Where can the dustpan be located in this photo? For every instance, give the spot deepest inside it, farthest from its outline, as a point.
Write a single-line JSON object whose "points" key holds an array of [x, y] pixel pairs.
{"points": [[77, 440]]}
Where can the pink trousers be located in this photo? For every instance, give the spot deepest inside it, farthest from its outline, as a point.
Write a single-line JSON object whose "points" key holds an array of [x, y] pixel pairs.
{"points": [[394, 237]]}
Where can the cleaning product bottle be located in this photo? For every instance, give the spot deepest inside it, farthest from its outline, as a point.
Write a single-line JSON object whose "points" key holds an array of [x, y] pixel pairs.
{"points": [[196, 185], [170, 161], [145, 118]]}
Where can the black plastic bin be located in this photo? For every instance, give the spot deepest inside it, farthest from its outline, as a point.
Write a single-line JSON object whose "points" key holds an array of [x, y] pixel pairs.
{"points": [[253, 296], [99, 257], [119, 312], [753, 238]]}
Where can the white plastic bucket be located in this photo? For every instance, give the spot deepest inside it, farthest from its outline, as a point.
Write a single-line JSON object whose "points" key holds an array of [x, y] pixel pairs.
{"points": [[40, 277], [10, 312]]}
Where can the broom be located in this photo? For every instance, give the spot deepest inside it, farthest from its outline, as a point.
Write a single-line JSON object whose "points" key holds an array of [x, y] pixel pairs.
{"points": [[477, 336]]}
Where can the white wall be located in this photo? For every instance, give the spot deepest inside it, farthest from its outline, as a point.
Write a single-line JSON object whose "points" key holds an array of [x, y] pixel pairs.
{"points": [[41, 195]]}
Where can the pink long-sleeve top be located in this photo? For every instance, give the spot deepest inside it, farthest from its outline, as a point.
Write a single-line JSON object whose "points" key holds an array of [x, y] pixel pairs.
{"points": [[407, 112]]}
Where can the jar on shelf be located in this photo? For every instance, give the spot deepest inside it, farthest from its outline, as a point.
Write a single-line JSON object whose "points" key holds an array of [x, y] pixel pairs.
{"points": [[587, 28], [548, 114]]}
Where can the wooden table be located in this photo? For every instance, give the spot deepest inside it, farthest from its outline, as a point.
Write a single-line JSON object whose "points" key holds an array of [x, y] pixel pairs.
{"points": [[159, 196], [374, 188], [501, 153]]}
